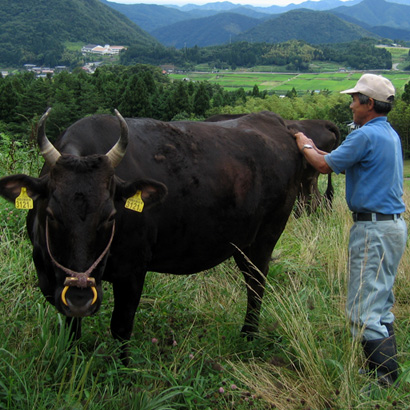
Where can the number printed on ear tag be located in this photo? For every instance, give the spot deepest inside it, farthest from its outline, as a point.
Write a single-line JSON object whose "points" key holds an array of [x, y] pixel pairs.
{"points": [[23, 201], [135, 203]]}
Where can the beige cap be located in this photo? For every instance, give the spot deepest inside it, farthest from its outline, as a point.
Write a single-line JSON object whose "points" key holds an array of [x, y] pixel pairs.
{"points": [[373, 86]]}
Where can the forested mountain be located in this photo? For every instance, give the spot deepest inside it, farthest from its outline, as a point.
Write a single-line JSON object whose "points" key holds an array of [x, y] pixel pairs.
{"points": [[379, 13], [381, 31], [218, 29], [314, 27], [392, 33], [35, 31]]}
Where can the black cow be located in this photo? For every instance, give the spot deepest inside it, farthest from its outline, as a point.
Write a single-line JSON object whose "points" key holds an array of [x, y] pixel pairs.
{"points": [[326, 135], [208, 190]]}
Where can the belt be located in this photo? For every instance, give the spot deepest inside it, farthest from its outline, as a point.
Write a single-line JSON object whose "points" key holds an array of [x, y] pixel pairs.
{"points": [[374, 217]]}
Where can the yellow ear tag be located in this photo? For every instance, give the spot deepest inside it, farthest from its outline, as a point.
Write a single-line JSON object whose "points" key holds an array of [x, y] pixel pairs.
{"points": [[23, 201], [135, 203]]}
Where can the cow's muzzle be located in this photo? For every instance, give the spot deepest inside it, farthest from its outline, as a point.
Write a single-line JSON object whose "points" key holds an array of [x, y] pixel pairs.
{"points": [[80, 280]]}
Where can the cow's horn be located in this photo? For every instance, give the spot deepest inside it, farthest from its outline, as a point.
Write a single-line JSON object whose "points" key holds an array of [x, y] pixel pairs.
{"points": [[117, 152], [47, 149]]}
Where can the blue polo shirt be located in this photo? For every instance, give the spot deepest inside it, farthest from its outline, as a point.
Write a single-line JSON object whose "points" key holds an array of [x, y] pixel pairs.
{"points": [[371, 157]]}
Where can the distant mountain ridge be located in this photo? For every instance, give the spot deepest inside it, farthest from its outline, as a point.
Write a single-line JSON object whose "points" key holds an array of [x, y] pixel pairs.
{"points": [[220, 22], [312, 5], [150, 17]]}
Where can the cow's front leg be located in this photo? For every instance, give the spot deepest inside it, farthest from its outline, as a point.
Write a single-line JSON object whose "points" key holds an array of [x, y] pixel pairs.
{"points": [[127, 296]]}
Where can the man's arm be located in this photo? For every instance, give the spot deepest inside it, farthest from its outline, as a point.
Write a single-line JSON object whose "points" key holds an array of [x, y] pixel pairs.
{"points": [[314, 156]]}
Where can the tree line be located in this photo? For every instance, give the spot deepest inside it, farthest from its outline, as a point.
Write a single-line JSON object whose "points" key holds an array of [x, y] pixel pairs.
{"points": [[292, 55], [136, 91], [143, 91]]}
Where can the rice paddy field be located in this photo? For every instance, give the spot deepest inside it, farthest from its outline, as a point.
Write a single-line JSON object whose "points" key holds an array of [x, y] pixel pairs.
{"points": [[281, 83], [328, 76]]}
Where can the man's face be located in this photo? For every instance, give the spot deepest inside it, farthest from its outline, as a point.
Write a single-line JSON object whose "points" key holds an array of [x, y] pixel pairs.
{"points": [[360, 111]]}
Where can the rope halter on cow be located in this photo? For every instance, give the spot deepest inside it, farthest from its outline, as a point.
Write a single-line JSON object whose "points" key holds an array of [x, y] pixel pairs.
{"points": [[79, 279]]}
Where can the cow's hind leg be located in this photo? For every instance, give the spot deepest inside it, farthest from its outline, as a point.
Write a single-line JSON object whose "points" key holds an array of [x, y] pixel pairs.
{"points": [[254, 263]]}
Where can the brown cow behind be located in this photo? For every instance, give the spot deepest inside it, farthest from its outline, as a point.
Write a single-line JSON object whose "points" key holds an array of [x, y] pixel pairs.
{"points": [[326, 135]]}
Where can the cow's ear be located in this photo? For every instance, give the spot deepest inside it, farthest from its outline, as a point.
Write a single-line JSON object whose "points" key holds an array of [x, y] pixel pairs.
{"points": [[152, 192], [10, 187]]}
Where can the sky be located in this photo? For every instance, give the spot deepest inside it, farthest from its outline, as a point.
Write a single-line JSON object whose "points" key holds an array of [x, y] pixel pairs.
{"points": [[256, 3]]}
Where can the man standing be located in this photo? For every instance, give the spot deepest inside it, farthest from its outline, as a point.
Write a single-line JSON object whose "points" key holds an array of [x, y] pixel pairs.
{"points": [[371, 157]]}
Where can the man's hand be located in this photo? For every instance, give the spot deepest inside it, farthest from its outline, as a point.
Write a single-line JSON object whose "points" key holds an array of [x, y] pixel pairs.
{"points": [[314, 156], [302, 139]]}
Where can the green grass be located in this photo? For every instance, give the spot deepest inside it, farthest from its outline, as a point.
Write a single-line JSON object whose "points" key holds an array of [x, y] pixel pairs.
{"points": [[400, 56], [406, 169], [186, 351], [74, 46]]}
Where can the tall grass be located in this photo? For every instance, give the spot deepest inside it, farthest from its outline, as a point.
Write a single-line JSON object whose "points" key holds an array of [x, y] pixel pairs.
{"points": [[186, 351], [306, 303]]}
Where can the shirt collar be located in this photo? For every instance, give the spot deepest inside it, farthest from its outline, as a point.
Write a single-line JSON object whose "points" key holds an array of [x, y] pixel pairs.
{"points": [[377, 119]]}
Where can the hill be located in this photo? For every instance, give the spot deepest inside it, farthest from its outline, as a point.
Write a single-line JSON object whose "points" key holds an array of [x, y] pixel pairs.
{"points": [[217, 29], [395, 34], [149, 16], [36, 31], [379, 13], [385, 32], [314, 27]]}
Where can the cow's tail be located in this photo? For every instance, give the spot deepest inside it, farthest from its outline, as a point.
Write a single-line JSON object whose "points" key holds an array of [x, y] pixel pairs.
{"points": [[329, 194], [329, 191]]}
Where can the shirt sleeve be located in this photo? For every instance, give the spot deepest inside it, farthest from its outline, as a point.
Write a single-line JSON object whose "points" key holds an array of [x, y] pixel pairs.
{"points": [[351, 151]]}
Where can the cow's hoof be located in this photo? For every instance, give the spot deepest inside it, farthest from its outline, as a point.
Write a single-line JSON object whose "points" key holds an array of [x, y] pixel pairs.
{"points": [[249, 332]]}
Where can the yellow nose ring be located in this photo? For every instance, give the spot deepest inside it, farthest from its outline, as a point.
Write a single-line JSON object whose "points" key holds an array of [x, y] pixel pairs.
{"points": [[72, 282]]}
